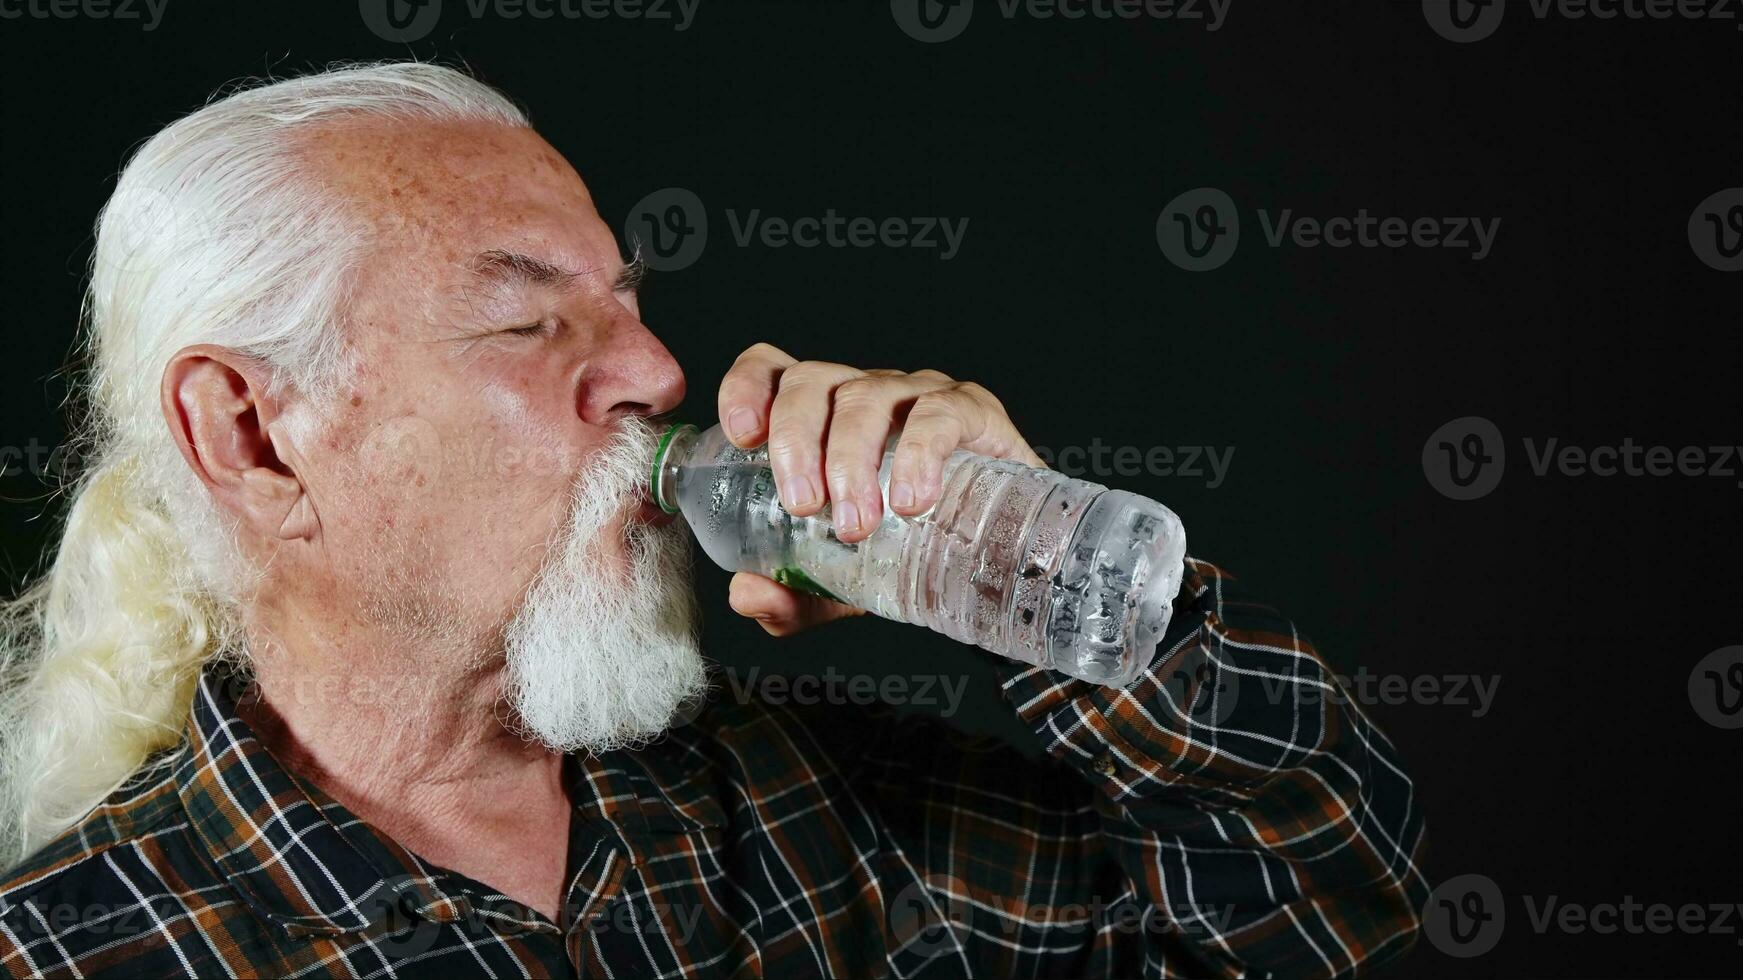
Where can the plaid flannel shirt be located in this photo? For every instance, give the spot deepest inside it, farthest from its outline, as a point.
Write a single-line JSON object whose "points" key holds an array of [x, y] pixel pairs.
{"points": [[1193, 823]]}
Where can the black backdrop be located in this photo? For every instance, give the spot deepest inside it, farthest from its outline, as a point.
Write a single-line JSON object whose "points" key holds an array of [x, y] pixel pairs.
{"points": [[1592, 319]]}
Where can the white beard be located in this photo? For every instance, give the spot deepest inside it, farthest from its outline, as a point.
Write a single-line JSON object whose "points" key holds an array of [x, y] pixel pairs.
{"points": [[604, 652]]}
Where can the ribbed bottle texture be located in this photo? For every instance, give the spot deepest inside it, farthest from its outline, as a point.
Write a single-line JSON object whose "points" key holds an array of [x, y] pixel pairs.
{"points": [[1024, 562]]}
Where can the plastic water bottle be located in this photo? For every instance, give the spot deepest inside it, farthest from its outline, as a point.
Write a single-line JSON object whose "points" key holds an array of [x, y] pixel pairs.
{"points": [[1032, 565]]}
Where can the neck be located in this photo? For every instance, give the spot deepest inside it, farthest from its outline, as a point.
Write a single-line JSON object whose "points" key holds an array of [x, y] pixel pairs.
{"points": [[412, 741]]}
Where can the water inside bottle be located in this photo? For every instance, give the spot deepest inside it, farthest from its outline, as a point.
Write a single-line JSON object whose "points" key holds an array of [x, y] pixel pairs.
{"points": [[1026, 563]]}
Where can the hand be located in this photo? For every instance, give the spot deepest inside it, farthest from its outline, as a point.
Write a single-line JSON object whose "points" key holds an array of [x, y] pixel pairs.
{"points": [[826, 426]]}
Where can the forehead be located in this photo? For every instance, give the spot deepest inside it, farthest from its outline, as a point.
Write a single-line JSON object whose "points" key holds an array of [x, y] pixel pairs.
{"points": [[446, 191]]}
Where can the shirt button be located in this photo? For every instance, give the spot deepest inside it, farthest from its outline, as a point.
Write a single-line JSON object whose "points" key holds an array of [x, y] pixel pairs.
{"points": [[1104, 764]]}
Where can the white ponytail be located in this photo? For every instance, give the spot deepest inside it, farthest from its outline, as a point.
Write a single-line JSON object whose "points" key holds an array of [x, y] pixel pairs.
{"points": [[213, 235]]}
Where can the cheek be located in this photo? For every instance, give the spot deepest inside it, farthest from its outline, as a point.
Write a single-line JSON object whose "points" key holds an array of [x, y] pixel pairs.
{"points": [[523, 437], [481, 466]]}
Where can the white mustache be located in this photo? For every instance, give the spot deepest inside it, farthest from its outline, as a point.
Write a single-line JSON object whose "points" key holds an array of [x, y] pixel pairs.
{"points": [[602, 653]]}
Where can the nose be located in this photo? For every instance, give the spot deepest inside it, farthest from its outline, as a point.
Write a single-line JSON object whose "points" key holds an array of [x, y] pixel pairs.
{"points": [[631, 374]]}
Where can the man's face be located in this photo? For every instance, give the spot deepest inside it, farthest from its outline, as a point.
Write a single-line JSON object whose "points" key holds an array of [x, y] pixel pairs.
{"points": [[499, 346]]}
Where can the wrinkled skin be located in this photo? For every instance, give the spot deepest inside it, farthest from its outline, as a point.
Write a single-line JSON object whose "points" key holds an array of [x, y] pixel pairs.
{"points": [[400, 524]]}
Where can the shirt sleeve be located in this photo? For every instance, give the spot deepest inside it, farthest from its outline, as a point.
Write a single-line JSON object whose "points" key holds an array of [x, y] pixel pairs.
{"points": [[1231, 812]]}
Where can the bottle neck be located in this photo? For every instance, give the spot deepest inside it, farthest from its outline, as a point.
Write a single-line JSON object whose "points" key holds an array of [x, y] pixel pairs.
{"points": [[673, 450]]}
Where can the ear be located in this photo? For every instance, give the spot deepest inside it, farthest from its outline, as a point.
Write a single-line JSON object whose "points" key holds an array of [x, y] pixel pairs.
{"points": [[221, 413]]}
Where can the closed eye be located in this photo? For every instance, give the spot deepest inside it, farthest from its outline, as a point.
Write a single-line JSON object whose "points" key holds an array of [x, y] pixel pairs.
{"points": [[532, 329]]}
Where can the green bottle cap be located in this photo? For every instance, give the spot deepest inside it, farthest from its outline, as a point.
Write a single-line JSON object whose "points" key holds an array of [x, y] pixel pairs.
{"points": [[659, 465]]}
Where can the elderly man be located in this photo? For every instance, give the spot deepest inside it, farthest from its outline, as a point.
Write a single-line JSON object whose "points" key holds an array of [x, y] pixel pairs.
{"points": [[363, 651]]}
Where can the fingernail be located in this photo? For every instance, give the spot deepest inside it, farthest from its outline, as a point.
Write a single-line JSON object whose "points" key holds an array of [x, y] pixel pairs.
{"points": [[802, 492], [846, 516], [902, 494], [741, 423]]}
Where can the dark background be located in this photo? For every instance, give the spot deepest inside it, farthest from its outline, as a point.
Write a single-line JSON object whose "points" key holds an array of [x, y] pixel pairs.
{"points": [[1592, 778]]}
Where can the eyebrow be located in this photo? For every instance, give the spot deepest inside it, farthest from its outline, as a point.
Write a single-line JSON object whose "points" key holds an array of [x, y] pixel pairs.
{"points": [[505, 265]]}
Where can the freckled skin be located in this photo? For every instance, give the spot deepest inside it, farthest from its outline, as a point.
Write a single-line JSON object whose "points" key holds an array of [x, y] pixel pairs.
{"points": [[437, 476], [504, 422]]}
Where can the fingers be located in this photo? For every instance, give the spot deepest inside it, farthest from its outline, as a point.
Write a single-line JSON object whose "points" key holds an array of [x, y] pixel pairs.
{"points": [[747, 391], [780, 610], [960, 415], [798, 420], [827, 427], [866, 410]]}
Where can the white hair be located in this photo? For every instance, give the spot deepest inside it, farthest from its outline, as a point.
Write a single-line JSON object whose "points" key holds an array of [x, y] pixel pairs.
{"points": [[642, 662], [214, 234]]}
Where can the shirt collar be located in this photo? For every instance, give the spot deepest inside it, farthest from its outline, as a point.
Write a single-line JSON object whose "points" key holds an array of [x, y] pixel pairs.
{"points": [[303, 860]]}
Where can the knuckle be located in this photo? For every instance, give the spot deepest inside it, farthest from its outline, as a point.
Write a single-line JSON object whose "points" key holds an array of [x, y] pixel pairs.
{"points": [[928, 374], [805, 373], [933, 403], [762, 350], [979, 394], [793, 380], [859, 392]]}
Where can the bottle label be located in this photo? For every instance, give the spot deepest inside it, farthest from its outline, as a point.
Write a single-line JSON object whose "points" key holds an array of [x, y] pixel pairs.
{"points": [[795, 578]]}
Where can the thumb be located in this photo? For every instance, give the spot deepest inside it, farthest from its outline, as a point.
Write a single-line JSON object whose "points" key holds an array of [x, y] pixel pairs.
{"points": [[780, 610]]}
